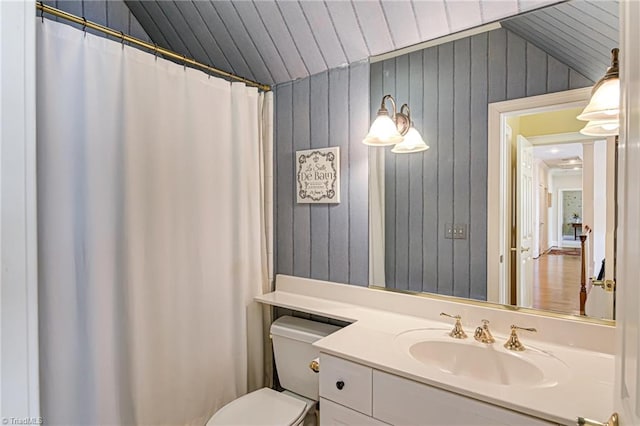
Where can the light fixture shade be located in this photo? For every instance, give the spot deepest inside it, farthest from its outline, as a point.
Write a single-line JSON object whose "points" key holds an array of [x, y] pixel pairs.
{"points": [[604, 103], [383, 132], [412, 143], [601, 128]]}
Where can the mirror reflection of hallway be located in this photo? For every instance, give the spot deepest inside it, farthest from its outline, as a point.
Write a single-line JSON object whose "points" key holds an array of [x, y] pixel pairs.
{"points": [[557, 212], [555, 216], [576, 187], [556, 190], [557, 264]]}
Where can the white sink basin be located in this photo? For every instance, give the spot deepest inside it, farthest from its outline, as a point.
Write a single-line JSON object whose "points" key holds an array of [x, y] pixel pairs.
{"points": [[491, 363]]}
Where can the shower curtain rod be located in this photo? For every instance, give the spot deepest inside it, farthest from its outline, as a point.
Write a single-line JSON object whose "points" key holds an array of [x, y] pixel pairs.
{"points": [[43, 8]]}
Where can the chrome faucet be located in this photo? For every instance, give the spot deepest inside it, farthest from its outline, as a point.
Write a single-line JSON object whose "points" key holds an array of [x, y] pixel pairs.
{"points": [[482, 334], [513, 343], [457, 332]]}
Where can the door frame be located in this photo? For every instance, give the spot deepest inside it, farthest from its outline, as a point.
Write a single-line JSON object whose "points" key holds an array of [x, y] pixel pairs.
{"points": [[627, 381], [499, 182], [19, 358], [559, 221]]}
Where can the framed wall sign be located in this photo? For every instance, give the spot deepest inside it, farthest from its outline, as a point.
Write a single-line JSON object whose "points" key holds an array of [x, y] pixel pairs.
{"points": [[318, 175]]}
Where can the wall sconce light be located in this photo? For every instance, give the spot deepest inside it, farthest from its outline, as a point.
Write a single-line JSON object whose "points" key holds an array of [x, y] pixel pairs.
{"points": [[601, 128], [396, 129], [412, 142], [604, 106], [387, 130]]}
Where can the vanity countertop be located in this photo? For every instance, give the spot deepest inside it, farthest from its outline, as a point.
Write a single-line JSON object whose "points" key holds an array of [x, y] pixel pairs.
{"points": [[585, 390]]}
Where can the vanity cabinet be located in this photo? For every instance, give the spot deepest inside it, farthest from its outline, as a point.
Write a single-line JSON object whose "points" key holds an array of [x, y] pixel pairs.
{"points": [[347, 383], [353, 394], [336, 414], [400, 401]]}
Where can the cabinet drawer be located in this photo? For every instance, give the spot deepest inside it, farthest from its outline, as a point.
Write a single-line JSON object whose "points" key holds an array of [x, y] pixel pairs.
{"points": [[400, 401], [346, 383], [335, 414]]}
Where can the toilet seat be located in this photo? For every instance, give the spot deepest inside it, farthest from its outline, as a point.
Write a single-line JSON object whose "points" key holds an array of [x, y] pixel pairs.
{"points": [[262, 407]]}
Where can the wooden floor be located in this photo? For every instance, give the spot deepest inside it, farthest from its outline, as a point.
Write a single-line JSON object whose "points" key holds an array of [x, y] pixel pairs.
{"points": [[557, 283]]}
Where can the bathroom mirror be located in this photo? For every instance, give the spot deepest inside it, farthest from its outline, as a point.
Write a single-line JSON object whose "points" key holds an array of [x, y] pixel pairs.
{"points": [[418, 201]]}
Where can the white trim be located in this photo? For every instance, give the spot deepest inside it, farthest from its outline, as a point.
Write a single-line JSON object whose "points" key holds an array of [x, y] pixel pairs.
{"points": [[610, 236], [575, 98], [18, 215], [588, 192], [377, 247], [626, 393], [435, 42], [558, 138], [496, 228]]}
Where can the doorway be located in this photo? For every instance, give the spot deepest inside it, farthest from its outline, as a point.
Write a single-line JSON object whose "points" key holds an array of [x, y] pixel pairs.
{"points": [[559, 211], [546, 271], [515, 269], [569, 216]]}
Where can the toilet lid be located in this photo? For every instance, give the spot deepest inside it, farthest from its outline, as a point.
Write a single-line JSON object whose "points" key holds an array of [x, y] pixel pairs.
{"points": [[262, 407]]}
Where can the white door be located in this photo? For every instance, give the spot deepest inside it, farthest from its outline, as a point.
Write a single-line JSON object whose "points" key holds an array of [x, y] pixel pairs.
{"points": [[600, 302], [610, 233], [626, 394], [543, 212], [524, 232]]}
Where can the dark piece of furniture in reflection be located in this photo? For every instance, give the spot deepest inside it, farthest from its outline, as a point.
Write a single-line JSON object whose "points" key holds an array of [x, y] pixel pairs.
{"points": [[576, 227]]}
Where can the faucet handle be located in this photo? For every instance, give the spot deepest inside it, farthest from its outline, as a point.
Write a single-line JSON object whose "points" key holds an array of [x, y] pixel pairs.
{"points": [[515, 327], [457, 332], [513, 343]]}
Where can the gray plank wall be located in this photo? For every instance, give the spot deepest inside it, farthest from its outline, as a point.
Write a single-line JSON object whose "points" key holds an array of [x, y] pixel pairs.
{"points": [[111, 13], [448, 88], [323, 241]]}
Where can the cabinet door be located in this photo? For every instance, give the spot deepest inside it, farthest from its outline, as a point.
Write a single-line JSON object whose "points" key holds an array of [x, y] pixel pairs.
{"points": [[400, 401], [332, 414], [346, 383]]}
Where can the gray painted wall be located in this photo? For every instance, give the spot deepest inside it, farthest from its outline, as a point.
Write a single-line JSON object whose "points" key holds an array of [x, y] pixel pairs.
{"points": [[111, 13], [323, 241], [448, 88]]}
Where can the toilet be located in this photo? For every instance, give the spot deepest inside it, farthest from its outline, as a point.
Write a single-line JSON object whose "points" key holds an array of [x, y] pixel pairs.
{"points": [[292, 338]]}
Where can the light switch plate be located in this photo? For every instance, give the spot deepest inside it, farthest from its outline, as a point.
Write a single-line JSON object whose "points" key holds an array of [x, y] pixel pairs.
{"points": [[460, 231], [448, 231]]}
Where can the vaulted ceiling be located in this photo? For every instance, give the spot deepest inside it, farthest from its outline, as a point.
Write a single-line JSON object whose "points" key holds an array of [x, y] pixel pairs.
{"points": [[274, 41], [580, 33]]}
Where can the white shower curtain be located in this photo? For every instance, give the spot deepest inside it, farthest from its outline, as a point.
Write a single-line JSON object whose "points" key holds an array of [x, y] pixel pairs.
{"points": [[151, 234]]}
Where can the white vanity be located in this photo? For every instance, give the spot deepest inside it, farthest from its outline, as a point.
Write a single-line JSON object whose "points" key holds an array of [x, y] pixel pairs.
{"points": [[397, 364], [354, 394]]}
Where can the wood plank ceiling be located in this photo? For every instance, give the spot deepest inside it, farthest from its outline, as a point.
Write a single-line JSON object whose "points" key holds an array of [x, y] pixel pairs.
{"points": [[580, 33], [275, 41]]}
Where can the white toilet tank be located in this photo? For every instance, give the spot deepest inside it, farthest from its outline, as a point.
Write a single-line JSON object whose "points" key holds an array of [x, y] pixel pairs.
{"points": [[292, 338]]}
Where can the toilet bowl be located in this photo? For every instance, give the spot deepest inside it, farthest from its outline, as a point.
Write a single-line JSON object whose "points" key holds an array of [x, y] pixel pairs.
{"points": [[293, 351], [263, 407]]}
